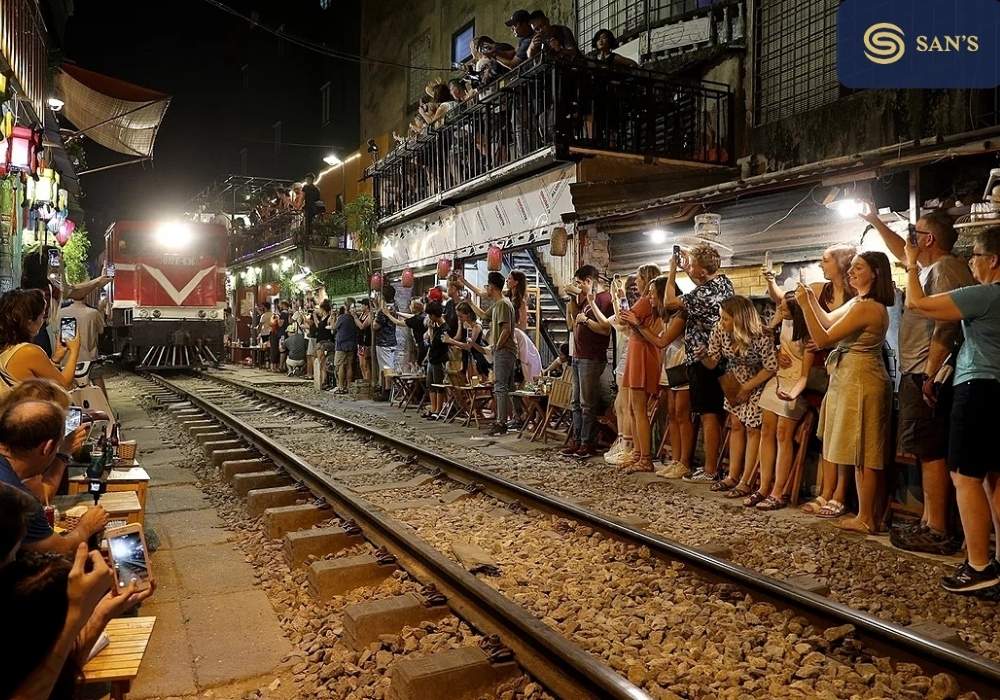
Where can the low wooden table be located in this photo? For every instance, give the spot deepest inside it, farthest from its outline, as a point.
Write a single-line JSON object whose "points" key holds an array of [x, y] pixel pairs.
{"points": [[118, 662], [128, 477], [120, 505], [408, 386]]}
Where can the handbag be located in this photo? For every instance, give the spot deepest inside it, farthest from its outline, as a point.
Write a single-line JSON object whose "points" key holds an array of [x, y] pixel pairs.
{"points": [[677, 376]]}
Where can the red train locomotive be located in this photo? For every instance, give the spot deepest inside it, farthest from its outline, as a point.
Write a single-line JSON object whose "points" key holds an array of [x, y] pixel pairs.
{"points": [[169, 292]]}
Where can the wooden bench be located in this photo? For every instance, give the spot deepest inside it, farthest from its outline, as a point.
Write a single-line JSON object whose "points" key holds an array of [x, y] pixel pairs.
{"points": [[118, 662]]}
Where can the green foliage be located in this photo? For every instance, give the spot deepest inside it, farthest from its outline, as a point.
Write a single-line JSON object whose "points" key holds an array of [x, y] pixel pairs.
{"points": [[345, 281], [361, 220], [75, 254]]}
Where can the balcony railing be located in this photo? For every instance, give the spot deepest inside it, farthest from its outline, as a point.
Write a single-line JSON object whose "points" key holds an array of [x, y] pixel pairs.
{"points": [[284, 229], [557, 104]]}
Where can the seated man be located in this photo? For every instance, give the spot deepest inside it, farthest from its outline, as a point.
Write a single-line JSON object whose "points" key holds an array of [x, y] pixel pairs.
{"points": [[31, 434]]}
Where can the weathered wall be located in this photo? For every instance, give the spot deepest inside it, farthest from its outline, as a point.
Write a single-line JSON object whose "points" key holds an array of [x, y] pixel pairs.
{"points": [[390, 29]]}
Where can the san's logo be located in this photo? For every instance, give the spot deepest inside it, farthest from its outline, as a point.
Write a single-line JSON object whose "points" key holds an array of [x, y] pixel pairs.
{"points": [[884, 43], [918, 44]]}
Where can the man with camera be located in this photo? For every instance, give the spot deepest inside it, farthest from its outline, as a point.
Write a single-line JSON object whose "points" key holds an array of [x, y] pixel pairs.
{"points": [[591, 338], [34, 450], [924, 347]]}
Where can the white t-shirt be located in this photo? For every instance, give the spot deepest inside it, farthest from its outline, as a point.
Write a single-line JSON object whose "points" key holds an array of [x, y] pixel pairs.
{"points": [[527, 353], [89, 326]]}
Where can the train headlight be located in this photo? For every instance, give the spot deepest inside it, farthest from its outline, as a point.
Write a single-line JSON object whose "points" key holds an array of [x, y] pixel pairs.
{"points": [[156, 313], [202, 313], [214, 313], [173, 235], [143, 313]]}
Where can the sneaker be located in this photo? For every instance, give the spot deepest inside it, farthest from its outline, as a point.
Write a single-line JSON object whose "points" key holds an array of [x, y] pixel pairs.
{"points": [[585, 452], [923, 539], [674, 470], [570, 450], [968, 580], [498, 430], [700, 476], [618, 453]]}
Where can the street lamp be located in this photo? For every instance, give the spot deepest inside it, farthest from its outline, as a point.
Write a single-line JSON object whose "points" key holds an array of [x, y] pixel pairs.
{"points": [[332, 160]]}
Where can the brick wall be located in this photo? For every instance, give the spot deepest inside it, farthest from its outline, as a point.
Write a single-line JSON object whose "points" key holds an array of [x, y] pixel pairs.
{"points": [[748, 281]]}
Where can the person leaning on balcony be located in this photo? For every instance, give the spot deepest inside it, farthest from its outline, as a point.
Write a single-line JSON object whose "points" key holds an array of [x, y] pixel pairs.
{"points": [[491, 57], [603, 47], [520, 27], [546, 36]]}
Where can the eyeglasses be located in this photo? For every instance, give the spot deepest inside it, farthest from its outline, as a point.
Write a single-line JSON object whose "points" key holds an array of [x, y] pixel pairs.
{"points": [[979, 255], [915, 231]]}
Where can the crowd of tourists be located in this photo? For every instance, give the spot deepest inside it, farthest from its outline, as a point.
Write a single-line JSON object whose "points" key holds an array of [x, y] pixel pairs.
{"points": [[734, 379]]}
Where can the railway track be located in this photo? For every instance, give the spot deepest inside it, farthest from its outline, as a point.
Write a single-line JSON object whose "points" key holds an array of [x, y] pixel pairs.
{"points": [[562, 666]]}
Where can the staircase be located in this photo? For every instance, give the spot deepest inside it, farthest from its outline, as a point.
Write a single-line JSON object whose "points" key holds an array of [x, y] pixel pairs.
{"points": [[553, 311]]}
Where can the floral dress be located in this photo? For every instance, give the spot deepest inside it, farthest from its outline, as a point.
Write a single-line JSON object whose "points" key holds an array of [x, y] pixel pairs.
{"points": [[760, 355]]}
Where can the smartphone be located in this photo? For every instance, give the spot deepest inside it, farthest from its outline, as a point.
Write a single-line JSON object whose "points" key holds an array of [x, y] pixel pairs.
{"points": [[73, 418], [911, 236], [110, 271], [677, 251], [67, 329], [54, 260], [127, 548]]}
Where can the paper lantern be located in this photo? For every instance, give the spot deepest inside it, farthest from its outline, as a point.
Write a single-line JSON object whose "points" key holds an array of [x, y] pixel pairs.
{"points": [[407, 280], [44, 190], [443, 268], [376, 282], [494, 258], [559, 242], [64, 233], [21, 153]]}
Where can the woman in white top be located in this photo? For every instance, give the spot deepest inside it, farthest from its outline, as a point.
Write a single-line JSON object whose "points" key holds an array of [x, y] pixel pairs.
{"points": [[783, 406], [621, 289], [527, 354]]}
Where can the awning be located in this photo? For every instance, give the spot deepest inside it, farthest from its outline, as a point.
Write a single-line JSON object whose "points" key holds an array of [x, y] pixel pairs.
{"points": [[118, 115]]}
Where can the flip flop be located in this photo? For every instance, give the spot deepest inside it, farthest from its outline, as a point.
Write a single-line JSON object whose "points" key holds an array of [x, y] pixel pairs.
{"points": [[854, 524], [814, 506], [832, 509]]}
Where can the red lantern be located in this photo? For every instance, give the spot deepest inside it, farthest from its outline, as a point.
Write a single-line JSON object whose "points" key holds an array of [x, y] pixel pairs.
{"points": [[376, 282], [444, 268], [22, 151], [494, 258], [407, 280], [65, 231]]}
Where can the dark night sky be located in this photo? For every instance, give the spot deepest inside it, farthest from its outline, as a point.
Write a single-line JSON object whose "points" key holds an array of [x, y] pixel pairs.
{"points": [[195, 53]]}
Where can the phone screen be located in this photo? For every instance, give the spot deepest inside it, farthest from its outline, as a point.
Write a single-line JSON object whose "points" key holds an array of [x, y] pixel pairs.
{"points": [[67, 327], [53, 258], [111, 270], [73, 417], [128, 557]]}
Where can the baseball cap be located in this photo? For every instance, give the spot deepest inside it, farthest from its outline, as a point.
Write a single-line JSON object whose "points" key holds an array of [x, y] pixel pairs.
{"points": [[518, 17]]}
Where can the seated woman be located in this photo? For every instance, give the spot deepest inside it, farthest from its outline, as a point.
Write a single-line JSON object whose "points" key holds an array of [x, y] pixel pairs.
{"points": [[783, 406], [972, 458], [22, 316], [559, 365], [741, 339], [528, 356], [857, 406]]}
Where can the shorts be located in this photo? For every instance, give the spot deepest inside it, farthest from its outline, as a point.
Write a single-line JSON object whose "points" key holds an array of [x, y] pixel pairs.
{"points": [[342, 357], [971, 440], [310, 346], [386, 357], [435, 375], [706, 393], [923, 431]]}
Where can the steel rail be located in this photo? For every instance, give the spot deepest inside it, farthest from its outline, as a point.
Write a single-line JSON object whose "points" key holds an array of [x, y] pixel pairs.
{"points": [[974, 671], [559, 664]]}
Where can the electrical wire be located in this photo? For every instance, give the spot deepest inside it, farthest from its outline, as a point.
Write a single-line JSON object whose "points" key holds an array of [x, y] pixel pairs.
{"points": [[317, 47], [787, 214]]}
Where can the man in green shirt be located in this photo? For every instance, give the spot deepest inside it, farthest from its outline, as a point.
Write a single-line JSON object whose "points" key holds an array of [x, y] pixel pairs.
{"points": [[501, 319]]}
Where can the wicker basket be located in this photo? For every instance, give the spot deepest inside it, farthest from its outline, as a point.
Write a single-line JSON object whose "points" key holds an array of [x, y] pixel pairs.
{"points": [[127, 450]]}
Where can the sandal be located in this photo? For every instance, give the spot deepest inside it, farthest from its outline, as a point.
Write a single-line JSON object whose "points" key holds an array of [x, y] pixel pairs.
{"points": [[724, 485], [753, 499], [814, 506], [739, 491], [855, 524], [832, 509], [772, 503], [643, 464]]}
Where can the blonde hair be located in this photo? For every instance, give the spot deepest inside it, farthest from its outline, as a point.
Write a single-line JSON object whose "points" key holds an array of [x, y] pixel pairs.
{"points": [[746, 322], [36, 390], [707, 257]]}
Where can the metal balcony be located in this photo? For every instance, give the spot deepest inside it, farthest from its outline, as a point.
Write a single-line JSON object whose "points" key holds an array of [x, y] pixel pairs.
{"points": [[552, 108]]}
